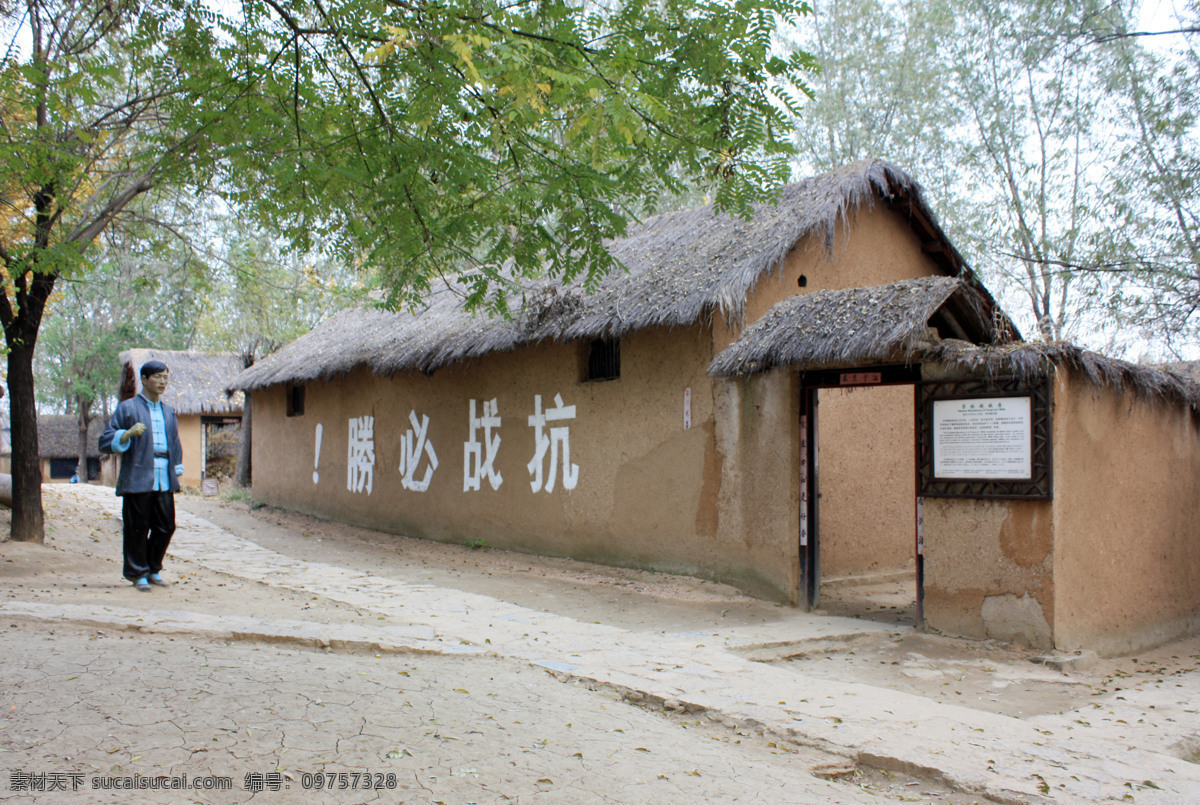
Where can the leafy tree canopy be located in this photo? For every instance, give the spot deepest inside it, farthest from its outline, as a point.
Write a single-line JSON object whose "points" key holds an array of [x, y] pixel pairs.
{"points": [[434, 140]]}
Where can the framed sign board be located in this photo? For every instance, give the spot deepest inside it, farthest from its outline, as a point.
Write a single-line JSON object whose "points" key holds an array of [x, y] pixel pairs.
{"points": [[985, 439]]}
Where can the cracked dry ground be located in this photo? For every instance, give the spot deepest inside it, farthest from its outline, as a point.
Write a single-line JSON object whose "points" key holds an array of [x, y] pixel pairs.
{"points": [[452, 730], [100, 701]]}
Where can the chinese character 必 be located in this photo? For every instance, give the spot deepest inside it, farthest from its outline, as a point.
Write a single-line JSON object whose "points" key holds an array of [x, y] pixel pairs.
{"points": [[413, 443]]}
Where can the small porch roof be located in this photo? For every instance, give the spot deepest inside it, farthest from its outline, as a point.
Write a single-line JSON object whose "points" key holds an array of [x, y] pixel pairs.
{"points": [[892, 323], [941, 320]]}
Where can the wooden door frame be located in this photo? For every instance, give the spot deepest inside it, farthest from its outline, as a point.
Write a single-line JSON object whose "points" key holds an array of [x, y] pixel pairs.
{"points": [[811, 382]]}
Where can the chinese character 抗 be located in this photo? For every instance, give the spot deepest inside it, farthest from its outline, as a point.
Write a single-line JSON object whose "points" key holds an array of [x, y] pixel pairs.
{"points": [[479, 457], [360, 461], [558, 436]]}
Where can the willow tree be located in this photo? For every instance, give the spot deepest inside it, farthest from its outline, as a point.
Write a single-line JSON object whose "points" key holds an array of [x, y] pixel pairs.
{"points": [[437, 141]]}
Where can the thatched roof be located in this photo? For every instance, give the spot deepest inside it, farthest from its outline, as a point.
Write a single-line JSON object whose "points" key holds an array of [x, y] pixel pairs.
{"points": [[858, 326], [1029, 361], [680, 267], [58, 435], [1189, 369], [198, 380], [933, 319]]}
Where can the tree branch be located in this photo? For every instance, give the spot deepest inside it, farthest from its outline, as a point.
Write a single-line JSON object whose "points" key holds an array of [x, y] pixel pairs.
{"points": [[1113, 37]]}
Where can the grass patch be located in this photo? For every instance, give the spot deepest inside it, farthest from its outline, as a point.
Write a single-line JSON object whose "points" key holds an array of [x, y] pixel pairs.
{"points": [[235, 494]]}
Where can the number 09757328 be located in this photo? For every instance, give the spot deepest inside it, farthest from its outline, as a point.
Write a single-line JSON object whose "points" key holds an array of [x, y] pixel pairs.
{"points": [[318, 780]]}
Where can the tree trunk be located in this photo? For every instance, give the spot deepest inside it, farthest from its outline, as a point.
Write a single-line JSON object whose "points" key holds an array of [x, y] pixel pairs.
{"points": [[28, 524], [85, 418], [241, 472]]}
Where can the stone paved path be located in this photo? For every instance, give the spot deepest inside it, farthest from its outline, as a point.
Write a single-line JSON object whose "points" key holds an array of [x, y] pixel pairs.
{"points": [[288, 696]]}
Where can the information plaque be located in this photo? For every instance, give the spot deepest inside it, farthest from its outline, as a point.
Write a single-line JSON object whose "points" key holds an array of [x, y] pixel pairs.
{"points": [[984, 437]]}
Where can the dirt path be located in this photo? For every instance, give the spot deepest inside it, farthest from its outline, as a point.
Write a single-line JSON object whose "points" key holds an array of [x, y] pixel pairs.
{"points": [[95, 706], [267, 707]]}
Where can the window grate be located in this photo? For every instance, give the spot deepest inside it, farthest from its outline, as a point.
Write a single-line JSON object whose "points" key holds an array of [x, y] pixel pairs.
{"points": [[295, 400], [604, 359]]}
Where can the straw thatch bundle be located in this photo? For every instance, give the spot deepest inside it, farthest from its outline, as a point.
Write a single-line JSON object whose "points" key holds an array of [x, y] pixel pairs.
{"points": [[198, 380], [1029, 361], [680, 267], [1188, 369]]}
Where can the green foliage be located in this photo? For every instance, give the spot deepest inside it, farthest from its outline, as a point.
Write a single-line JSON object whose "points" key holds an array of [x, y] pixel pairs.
{"points": [[133, 294], [496, 139], [461, 141], [1038, 136], [260, 295], [1155, 233], [236, 494], [880, 90]]}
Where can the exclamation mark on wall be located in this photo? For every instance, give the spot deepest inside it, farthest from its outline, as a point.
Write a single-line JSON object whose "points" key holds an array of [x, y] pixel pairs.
{"points": [[317, 457]]}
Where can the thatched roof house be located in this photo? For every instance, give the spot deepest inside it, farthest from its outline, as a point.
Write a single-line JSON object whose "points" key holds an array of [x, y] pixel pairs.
{"points": [[681, 267], [198, 380], [58, 446], [672, 417], [58, 436]]}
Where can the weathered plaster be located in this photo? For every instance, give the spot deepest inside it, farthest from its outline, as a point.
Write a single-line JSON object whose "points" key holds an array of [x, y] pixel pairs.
{"points": [[1127, 518], [191, 439], [867, 480], [981, 564], [650, 492]]}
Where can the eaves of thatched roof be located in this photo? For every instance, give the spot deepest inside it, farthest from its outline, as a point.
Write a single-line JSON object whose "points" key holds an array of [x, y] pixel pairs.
{"points": [[939, 320], [58, 436], [198, 380], [1189, 369], [858, 326], [1029, 361], [680, 267]]}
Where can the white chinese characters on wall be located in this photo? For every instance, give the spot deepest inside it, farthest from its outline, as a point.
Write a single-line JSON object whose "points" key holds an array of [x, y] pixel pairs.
{"points": [[479, 457], [558, 440], [360, 454], [414, 446], [317, 458], [551, 463]]}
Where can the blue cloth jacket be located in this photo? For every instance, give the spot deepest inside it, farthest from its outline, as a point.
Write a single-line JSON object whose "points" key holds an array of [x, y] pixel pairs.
{"points": [[137, 463]]}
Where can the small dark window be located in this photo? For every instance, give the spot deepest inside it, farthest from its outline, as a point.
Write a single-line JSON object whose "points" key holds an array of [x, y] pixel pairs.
{"points": [[603, 359], [63, 467], [295, 400], [802, 281]]}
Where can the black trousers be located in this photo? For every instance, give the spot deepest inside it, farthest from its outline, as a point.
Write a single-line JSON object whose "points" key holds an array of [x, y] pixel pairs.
{"points": [[149, 523]]}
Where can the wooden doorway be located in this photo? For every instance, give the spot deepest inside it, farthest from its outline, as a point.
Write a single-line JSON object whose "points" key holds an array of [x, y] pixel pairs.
{"points": [[859, 554]]}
